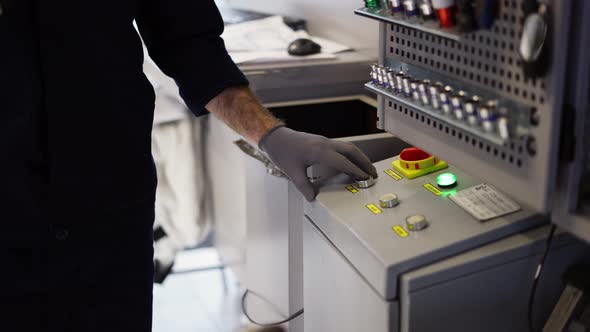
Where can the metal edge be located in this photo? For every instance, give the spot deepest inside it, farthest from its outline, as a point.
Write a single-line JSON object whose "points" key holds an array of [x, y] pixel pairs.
{"points": [[561, 17], [450, 34]]}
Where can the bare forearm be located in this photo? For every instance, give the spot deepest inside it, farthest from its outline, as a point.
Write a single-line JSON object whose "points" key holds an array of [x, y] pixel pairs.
{"points": [[240, 110]]}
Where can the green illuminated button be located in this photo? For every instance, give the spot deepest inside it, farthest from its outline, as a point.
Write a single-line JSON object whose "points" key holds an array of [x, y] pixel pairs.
{"points": [[446, 180]]}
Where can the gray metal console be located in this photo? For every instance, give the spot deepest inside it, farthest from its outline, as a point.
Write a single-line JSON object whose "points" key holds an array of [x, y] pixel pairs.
{"points": [[485, 289], [363, 264], [369, 240], [413, 255]]}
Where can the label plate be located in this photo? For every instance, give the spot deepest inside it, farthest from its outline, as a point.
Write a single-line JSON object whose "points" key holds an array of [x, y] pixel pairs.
{"points": [[432, 189], [393, 174], [373, 208], [484, 202], [400, 231], [352, 189]]}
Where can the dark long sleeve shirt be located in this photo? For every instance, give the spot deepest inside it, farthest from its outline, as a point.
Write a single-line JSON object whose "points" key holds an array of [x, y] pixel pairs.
{"points": [[76, 109]]}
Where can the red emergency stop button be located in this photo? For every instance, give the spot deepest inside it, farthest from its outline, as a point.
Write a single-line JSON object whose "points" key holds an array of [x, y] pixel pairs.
{"points": [[413, 162], [414, 159]]}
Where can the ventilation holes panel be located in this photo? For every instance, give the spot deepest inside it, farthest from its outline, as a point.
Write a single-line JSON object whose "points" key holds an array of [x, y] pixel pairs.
{"points": [[487, 59]]}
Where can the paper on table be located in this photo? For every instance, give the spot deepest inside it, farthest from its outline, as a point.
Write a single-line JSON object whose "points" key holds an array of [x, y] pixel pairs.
{"points": [[276, 57], [329, 46], [270, 34], [264, 34]]}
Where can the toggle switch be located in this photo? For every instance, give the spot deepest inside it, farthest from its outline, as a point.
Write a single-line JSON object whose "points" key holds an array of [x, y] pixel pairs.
{"points": [[426, 11], [396, 7], [411, 10], [445, 10]]}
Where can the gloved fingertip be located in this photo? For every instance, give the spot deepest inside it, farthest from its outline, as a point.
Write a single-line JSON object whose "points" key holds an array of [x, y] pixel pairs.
{"points": [[308, 191], [360, 176], [311, 195], [314, 194]]}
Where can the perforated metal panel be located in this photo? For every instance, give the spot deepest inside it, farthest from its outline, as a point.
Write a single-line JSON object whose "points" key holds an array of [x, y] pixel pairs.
{"points": [[486, 62], [487, 59]]}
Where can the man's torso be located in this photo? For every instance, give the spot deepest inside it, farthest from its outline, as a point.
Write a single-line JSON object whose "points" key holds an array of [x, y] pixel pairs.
{"points": [[76, 113]]}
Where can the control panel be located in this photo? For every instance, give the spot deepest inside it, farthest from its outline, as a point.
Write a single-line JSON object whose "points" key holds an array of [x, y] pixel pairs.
{"points": [[396, 223], [480, 82]]}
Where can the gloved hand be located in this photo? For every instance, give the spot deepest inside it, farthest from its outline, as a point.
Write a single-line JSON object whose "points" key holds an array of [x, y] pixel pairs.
{"points": [[293, 152]]}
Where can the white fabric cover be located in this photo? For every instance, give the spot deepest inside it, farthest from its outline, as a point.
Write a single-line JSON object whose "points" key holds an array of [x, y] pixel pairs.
{"points": [[177, 148]]}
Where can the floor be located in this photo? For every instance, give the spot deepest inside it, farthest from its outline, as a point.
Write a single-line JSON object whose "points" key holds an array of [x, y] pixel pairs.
{"points": [[197, 301]]}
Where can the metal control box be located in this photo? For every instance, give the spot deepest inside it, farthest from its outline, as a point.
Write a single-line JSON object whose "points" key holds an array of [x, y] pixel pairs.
{"points": [[485, 63], [365, 265], [377, 240], [485, 289]]}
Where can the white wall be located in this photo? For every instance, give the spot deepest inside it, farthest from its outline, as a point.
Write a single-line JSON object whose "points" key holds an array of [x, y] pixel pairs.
{"points": [[333, 19]]}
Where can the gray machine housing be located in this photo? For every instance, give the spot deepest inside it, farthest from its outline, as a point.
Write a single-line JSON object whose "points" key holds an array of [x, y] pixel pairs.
{"points": [[459, 274], [484, 290], [369, 242]]}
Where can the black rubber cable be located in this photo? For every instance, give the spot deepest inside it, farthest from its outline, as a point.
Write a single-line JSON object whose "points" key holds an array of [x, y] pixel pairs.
{"points": [[538, 276], [286, 320]]}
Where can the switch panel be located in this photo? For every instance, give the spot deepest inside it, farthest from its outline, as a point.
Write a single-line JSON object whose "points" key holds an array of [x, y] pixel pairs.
{"points": [[399, 224], [464, 91]]}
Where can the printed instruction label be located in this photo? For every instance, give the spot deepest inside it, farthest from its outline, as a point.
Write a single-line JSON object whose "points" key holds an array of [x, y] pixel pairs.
{"points": [[352, 189], [432, 189], [484, 202], [393, 174], [373, 208], [400, 231]]}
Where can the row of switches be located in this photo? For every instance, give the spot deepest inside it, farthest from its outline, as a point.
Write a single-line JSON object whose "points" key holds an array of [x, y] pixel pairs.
{"points": [[414, 223]]}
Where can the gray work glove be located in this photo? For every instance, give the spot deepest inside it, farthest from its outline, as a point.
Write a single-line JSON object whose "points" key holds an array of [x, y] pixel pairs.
{"points": [[293, 152]]}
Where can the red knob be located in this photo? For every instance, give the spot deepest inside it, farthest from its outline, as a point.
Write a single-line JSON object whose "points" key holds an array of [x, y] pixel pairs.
{"points": [[413, 154], [446, 12]]}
